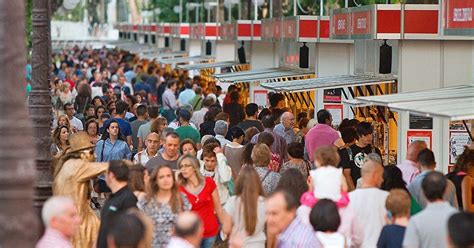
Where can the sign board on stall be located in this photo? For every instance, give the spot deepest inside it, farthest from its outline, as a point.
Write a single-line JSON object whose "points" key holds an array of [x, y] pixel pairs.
{"points": [[260, 97], [426, 136], [458, 17], [457, 141], [340, 24], [332, 95], [362, 23], [336, 112], [420, 122]]}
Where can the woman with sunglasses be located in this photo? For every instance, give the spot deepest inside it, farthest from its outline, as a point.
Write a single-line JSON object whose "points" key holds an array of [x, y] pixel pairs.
{"points": [[203, 196], [162, 203]]}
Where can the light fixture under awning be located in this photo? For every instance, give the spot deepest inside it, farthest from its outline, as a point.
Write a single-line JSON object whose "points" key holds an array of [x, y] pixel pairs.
{"points": [[185, 59], [453, 103], [260, 75], [329, 82], [201, 66]]}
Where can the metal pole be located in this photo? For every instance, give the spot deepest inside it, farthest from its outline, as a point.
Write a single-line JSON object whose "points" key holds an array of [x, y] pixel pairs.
{"points": [[321, 7], [18, 220], [295, 10], [40, 98], [181, 11], [255, 10]]}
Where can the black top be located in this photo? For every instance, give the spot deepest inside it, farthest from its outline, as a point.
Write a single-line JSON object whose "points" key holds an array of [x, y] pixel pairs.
{"points": [[118, 203], [245, 124], [456, 177], [207, 127], [236, 113], [355, 161], [391, 236]]}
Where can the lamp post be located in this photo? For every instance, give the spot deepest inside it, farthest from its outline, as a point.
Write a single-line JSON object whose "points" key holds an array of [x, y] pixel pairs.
{"points": [[18, 220]]}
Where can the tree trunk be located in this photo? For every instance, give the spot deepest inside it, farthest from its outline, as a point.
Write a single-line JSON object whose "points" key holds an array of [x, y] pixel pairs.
{"points": [[17, 217]]}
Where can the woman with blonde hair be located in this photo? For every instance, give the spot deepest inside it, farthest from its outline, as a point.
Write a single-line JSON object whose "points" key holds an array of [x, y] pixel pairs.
{"points": [[245, 211], [203, 196], [261, 157], [159, 125], [162, 203], [62, 120]]}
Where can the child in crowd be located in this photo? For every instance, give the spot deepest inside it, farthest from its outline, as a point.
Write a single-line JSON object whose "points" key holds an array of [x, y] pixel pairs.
{"points": [[327, 182], [398, 214]]}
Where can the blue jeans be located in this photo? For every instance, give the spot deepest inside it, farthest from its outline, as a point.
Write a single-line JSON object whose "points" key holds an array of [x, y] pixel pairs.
{"points": [[208, 242]]}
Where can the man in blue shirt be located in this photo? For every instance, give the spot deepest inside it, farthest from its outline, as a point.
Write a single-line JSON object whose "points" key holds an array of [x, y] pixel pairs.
{"points": [[186, 95], [119, 116]]}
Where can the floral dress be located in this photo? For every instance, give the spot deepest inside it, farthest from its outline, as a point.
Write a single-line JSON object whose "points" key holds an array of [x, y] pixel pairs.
{"points": [[303, 165], [163, 218]]}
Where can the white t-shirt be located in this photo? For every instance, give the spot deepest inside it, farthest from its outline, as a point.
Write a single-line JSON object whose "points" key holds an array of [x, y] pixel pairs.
{"points": [[327, 182], [258, 238], [333, 240], [76, 123], [368, 205]]}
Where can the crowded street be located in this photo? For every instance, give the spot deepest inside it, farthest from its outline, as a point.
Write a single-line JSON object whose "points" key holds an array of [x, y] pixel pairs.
{"points": [[277, 128]]}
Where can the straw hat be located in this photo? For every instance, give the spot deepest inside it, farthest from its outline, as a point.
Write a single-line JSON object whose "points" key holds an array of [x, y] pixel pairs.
{"points": [[79, 141]]}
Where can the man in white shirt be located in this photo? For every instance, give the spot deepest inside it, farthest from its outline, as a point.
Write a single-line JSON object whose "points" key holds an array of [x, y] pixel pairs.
{"points": [[152, 144], [221, 127], [75, 123], [368, 202], [198, 116], [188, 231]]}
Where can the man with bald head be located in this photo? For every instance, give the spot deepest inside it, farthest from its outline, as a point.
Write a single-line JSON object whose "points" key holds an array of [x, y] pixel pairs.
{"points": [[285, 128], [188, 231], [152, 143], [368, 202], [409, 167]]}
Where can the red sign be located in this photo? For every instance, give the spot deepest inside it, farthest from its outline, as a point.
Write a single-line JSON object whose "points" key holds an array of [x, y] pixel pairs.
{"points": [[289, 28], [276, 24], [267, 33], [426, 136], [459, 16], [244, 31], [340, 25], [361, 24], [257, 34], [212, 30], [308, 29]]}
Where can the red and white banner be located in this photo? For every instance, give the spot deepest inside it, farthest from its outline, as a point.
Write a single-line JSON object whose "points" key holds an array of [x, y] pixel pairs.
{"points": [[340, 25], [458, 17]]}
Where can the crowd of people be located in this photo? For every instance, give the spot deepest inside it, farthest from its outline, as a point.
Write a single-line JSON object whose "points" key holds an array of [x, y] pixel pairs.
{"points": [[149, 158]]}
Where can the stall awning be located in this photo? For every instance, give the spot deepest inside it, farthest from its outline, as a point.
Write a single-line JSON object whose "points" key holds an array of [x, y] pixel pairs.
{"points": [[185, 59], [152, 56], [201, 66], [260, 75], [453, 103], [329, 82]]}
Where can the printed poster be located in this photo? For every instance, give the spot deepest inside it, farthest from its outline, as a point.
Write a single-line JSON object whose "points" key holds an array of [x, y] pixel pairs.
{"points": [[426, 136], [457, 141]]}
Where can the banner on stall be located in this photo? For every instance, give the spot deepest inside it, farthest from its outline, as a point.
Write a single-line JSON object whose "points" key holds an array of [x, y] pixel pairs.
{"points": [[423, 135]]}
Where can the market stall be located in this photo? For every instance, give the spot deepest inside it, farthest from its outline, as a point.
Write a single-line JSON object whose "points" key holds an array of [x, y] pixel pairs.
{"points": [[449, 104]]}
